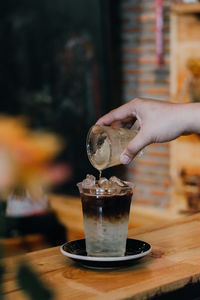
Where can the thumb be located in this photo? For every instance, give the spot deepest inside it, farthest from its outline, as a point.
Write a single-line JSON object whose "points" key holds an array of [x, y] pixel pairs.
{"points": [[135, 145]]}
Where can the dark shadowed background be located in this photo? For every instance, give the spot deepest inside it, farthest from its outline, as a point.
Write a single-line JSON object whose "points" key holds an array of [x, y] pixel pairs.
{"points": [[60, 67]]}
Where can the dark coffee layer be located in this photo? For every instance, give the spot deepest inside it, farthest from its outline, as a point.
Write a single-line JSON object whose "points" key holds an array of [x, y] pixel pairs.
{"points": [[109, 207]]}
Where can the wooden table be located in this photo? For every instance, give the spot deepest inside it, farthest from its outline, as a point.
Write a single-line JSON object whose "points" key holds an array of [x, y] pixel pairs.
{"points": [[69, 212], [173, 263]]}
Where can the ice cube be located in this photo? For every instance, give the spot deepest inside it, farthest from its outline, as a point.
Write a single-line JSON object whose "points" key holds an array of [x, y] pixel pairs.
{"points": [[117, 181], [89, 181], [104, 183]]}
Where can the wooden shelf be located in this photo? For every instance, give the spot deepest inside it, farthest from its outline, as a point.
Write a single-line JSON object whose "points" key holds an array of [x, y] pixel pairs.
{"points": [[186, 8]]}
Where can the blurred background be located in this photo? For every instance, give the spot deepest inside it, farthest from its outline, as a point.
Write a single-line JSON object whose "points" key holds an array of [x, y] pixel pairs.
{"points": [[66, 63], [58, 69]]}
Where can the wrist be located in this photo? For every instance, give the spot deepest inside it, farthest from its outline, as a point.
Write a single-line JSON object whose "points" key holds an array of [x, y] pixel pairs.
{"points": [[190, 117]]}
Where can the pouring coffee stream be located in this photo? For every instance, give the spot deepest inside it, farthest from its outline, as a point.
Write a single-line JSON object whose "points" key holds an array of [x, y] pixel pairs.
{"points": [[100, 173]]}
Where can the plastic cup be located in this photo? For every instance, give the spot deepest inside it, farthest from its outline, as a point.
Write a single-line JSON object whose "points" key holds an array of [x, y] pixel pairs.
{"points": [[106, 216]]}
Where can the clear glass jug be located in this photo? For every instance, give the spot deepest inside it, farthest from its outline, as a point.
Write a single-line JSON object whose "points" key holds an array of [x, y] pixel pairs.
{"points": [[105, 144]]}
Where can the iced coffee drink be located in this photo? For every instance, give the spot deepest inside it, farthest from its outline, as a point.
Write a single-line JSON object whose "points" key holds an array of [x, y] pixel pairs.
{"points": [[106, 206]]}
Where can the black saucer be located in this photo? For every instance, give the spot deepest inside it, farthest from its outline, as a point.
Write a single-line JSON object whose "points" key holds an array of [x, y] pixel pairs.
{"points": [[135, 249]]}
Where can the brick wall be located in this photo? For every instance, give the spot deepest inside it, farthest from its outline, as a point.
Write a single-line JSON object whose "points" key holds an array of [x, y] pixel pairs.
{"points": [[141, 77]]}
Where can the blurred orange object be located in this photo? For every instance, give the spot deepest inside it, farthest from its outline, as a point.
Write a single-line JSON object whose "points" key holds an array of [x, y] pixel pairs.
{"points": [[25, 155]]}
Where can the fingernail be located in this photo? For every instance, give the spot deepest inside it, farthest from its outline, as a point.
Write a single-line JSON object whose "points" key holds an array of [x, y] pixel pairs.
{"points": [[125, 159]]}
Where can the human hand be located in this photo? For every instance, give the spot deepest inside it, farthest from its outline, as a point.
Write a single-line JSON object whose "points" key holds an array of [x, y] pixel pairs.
{"points": [[159, 121]]}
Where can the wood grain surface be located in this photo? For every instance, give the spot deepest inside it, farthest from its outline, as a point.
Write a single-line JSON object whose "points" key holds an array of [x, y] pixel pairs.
{"points": [[173, 263]]}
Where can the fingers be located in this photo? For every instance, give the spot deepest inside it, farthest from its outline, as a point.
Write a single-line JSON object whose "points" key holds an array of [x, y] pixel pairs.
{"points": [[126, 123], [121, 113], [106, 119], [135, 146]]}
